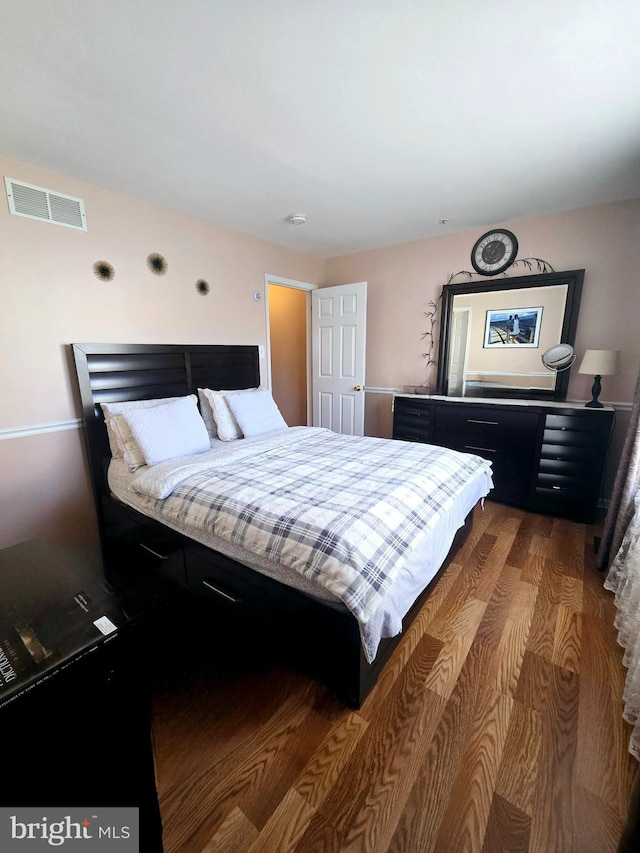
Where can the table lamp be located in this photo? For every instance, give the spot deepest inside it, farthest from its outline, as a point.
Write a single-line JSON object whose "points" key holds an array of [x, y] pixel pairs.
{"points": [[599, 363]]}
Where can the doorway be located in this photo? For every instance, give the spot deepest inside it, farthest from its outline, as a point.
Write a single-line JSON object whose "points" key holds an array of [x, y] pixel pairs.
{"points": [[288, 309], [290, 381]]}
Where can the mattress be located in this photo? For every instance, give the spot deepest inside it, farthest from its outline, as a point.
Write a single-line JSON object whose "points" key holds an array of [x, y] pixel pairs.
{"points": [[302, 473]]}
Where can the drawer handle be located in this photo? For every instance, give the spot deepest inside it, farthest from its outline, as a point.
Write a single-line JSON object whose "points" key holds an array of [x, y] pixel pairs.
{"points": [[557, 488], [226, 595], [155, 553], [471, 447], [474, 421]]}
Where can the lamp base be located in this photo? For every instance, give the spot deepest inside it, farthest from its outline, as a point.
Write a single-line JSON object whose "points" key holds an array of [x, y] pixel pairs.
{"points": [[594, 403]]}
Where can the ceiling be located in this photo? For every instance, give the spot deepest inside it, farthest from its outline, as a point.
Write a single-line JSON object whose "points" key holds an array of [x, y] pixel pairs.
{"points": [[374, 118]]}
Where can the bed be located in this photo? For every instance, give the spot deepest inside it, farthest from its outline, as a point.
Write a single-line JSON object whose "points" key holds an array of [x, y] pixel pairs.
{"points": [[328, 543]]}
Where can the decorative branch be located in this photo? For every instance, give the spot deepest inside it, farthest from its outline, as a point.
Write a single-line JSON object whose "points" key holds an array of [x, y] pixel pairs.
{"points": [[429, 337], [542, 266]]}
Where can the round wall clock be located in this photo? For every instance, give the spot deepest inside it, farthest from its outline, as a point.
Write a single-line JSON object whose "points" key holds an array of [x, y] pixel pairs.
{"points": [[494, 252]]}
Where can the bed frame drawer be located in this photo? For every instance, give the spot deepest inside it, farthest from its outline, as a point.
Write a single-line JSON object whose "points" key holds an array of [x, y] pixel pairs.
{"points": [[225, 582]]}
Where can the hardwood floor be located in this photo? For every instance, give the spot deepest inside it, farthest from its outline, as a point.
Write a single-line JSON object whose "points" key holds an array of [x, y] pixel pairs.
{"points": [[496, 726]]}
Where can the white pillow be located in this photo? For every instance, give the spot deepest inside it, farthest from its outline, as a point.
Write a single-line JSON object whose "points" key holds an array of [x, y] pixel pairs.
{"points": [[121, 442], [207, 414], [226, 424], [164, 432], [256, 413]]}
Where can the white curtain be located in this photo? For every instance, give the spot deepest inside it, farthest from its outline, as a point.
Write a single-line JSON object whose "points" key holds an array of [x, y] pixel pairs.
{"points": [[623, 579]]}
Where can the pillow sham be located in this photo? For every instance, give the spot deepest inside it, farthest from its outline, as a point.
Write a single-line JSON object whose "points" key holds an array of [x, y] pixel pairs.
{"points": [[207, 414], [256, 413], [226, 424], [121, 442], [164, 432]]}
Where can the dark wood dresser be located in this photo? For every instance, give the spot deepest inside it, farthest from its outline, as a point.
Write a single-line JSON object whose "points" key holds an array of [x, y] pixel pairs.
{"points": [[547, 457]]}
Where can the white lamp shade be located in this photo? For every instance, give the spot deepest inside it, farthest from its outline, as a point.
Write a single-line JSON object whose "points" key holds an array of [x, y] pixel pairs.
{"points": [[600, 362]]}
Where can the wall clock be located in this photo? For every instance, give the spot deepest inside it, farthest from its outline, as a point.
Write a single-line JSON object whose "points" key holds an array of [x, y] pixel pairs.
{"points": [[494, 252]]}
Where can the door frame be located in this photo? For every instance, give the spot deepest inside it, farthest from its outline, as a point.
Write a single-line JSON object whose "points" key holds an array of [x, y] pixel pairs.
{"points": [[296, 285], [464, 310]]}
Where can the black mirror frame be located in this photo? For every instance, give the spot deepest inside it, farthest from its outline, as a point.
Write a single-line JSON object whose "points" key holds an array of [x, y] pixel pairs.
{"points": [[574, 280]]}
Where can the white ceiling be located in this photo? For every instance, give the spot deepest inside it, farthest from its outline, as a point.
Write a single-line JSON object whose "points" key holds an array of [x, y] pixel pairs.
{"points": [[375, 118]]}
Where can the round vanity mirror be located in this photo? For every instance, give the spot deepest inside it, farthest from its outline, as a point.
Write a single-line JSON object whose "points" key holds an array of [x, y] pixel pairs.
{"points": [[559, 357]]}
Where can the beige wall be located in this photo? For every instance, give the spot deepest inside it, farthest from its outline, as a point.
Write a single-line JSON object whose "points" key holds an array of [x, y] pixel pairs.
{"points": [[603, 240], [51, 298]]}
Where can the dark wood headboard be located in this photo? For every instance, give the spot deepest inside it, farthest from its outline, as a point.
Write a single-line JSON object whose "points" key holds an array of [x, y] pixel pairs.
{"points": [[108, 373]]}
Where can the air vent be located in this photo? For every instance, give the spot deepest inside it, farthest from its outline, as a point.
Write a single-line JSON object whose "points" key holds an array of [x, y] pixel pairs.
{"points": [[40, 203]]}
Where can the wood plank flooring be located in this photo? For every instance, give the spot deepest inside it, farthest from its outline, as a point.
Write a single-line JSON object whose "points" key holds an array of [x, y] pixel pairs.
{"points": [[496, 726]]}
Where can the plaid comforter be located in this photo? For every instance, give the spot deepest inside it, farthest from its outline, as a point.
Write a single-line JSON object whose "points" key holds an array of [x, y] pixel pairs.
{"points": [[344, 511]]}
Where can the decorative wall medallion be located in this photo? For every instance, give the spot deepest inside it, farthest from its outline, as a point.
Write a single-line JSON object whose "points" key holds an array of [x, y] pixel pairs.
{"points": [[157, 264], [202, 287], [104, 271]]}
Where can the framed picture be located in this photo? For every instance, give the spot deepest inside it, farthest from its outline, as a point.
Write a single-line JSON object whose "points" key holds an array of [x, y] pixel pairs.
{"points": [[515, 327]]}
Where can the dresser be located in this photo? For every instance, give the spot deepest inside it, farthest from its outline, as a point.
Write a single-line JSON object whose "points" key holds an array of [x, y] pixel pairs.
{"points": [[547, 457]]}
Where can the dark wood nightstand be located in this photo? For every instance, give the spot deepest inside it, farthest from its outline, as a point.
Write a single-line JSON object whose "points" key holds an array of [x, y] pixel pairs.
{"points": [[75, 702]]}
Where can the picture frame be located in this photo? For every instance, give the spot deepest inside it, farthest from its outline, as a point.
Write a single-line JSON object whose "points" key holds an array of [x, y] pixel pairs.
{"points": [[513, 328]]}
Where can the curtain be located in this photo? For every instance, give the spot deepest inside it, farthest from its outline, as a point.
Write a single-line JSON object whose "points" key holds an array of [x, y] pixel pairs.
{"points": [[625, 488], [619, 553], [623, 579]]}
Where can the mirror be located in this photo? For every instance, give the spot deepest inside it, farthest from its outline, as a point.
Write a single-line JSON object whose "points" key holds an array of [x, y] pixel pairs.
{"points": [[493, 335]]}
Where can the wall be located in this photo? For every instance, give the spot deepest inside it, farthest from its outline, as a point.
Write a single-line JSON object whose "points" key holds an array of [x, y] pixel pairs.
{"points": [[51, 298], [603, 240]]}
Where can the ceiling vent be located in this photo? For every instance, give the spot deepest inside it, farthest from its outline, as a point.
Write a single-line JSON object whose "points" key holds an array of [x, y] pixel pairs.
{"points": [[40, 203]]}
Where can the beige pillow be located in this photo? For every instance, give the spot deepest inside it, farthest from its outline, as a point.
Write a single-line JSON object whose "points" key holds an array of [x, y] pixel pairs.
{"points": [[207, 414], [226, 424]]}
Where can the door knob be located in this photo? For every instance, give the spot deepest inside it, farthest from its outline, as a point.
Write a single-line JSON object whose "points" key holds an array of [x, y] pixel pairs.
{"points": [[357, 387]]}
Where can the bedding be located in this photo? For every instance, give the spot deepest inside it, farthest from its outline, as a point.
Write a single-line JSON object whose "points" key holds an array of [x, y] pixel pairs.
{"points": [[207, 414], [164, 432], [226, 425], [121, 441], [362, 521], [256, 413]]}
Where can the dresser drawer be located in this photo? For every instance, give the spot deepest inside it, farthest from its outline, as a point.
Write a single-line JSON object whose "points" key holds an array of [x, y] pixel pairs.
{"points": [[566, 501], [558, 465], [506, 437], [583, 454], [484, 426], [591, 442], [560, 482], [411, 420], [598, 424]]}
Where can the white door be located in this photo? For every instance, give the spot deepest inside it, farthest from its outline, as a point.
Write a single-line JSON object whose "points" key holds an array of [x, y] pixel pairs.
{"points": [[339, 325], [458, 352]]}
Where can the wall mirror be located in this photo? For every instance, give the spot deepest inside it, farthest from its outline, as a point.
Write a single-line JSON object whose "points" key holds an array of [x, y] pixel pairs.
{"points": [[493, 335]]}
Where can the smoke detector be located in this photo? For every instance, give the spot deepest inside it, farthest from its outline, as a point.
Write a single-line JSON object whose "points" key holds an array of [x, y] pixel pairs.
{"points": [[297, 218]]}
